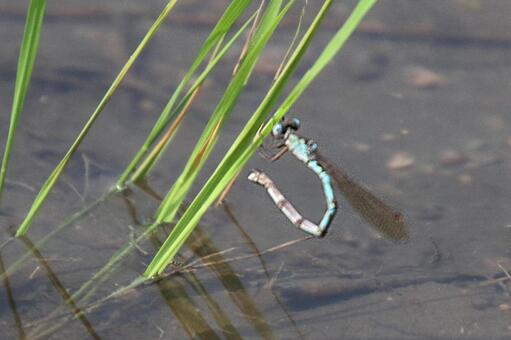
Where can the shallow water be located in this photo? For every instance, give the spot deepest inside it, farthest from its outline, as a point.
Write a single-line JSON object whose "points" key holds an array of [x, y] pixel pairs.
{"points": [[414, 107]]}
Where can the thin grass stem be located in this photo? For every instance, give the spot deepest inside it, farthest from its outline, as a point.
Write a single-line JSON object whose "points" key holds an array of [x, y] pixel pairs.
{"points": [[26, 60]]}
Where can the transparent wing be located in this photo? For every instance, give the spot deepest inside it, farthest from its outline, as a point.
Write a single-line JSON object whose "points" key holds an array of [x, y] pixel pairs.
{"points": [[389, 222]]}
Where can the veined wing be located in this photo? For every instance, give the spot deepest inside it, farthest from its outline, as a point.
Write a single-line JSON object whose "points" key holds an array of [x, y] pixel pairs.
{"points": [[384, 218]]}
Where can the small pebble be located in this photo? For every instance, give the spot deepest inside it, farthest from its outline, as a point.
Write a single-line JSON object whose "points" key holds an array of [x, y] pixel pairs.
{"points": [[471, 5], [481, 303], [430, 213], [452, 157], [362, 147], [367, 65], [476, 145], [388, 137], [504, 307], [422, 78], [146, 105], [400, 161], [495, 123], [465, 179], [428, 169]]}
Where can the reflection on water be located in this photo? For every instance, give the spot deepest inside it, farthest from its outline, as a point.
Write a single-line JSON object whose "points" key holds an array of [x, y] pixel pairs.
{"points": [[231, 292], [183, 289]]}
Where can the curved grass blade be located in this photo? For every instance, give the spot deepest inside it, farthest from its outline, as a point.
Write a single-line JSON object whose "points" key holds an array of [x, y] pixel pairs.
{"points": [[245, 146], [26, 59], [50, 182]]}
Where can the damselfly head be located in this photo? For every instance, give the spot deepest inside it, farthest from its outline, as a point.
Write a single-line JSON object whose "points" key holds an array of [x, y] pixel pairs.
{"points": [[280, 129]]}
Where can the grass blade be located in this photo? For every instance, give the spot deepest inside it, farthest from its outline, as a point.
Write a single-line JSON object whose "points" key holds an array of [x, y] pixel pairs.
{"points": [[50, 182], [26, 59]]}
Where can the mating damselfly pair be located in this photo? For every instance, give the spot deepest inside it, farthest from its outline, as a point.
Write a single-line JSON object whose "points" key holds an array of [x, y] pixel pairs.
{"points": [[386, 220]]}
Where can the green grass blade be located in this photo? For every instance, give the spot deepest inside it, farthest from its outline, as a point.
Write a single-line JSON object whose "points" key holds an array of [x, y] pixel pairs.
{"points": [[328, 53], [238, 155], [48, 184], [231, 14], [26, 59], [173, 199]]}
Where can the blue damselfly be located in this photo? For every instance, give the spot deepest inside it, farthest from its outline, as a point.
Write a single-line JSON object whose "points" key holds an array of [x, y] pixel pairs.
{"points": [[386, 220]]}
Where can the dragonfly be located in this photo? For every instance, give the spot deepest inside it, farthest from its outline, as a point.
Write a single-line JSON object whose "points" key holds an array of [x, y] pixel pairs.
{"points": [[384, 218]]}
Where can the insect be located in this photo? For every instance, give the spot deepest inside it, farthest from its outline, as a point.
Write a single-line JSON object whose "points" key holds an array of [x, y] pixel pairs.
{"points": [[385, 219]]}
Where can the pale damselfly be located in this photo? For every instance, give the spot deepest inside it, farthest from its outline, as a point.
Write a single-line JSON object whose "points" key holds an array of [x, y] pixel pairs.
{"points": [[386, 220]]}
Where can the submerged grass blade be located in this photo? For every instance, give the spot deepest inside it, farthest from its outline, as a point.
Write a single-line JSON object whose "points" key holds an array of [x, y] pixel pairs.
{"points": [[67, 223], [48, 184], [240, 152], [231, 14], [59, 287], [26, 59], [11, 301], [203, 248], [185, 311]]}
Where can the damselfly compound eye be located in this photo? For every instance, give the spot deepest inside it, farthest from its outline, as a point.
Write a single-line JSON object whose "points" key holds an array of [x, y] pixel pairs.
{"points": [[278, 130], [294, 124]]}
